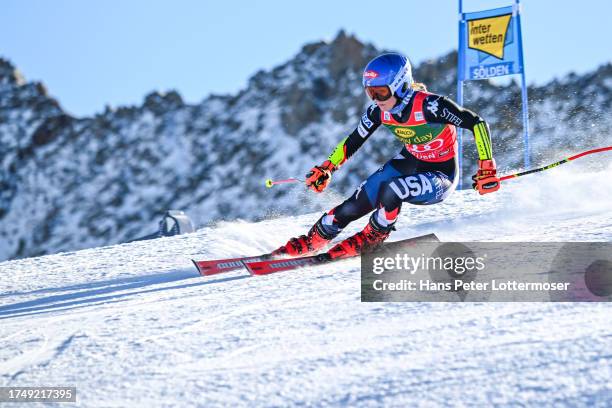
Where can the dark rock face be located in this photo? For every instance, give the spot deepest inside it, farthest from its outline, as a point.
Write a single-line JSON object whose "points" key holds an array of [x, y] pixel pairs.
{"points": [[68, 183]]}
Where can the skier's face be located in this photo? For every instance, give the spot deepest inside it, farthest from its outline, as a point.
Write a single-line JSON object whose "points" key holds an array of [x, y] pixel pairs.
{"points": [[386, 105]]}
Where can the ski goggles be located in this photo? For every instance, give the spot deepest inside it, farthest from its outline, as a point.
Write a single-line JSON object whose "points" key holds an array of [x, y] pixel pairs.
{"points": [[379, 93]]}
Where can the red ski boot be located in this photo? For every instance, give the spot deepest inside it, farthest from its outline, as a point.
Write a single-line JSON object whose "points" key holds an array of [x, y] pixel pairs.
{"points": [[304, 244], [366, 240]]}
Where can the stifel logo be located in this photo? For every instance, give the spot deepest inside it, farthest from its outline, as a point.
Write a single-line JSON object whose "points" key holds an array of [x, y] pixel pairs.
{"points": [[489, 34]]}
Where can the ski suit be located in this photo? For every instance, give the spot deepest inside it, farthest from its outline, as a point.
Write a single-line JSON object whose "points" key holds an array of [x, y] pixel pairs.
{"points": [[424, 171]]}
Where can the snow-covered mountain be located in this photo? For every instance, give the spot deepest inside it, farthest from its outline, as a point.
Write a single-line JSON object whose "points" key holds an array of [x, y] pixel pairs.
{"points": [[134, 324], [68, 183]]}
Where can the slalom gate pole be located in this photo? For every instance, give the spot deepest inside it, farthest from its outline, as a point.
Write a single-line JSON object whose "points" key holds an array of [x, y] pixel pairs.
{"points": [[550, 166], [271, 183]]}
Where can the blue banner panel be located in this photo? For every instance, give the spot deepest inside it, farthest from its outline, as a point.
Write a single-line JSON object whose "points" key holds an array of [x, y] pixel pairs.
{"points": [[490, 44]]}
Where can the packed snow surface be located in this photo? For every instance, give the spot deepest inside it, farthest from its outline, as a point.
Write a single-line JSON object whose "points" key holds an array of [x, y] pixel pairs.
{"points": [[135, 325]]}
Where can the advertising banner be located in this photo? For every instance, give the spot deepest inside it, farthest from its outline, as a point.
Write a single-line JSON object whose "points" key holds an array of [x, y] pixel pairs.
{"points": [[490, 44]]}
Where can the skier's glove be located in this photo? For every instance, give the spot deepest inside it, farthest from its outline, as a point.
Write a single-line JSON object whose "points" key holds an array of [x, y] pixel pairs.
{"points": [[319, 177], [486, 180]]}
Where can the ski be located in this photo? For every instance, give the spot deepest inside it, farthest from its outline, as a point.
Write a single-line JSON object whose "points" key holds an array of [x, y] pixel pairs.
{"points": [[213, 267], [279, 265], [265, 267]]}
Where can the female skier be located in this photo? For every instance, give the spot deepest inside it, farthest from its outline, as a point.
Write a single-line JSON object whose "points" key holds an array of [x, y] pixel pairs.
{"points": [[424, 172]]}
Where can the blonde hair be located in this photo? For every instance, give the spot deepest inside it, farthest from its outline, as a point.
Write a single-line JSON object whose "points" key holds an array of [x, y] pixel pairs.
{"points": [[418, 86]]}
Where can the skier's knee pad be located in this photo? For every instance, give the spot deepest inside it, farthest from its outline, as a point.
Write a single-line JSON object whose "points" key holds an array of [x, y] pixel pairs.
{"points": [[387, 197], [353, 208]]}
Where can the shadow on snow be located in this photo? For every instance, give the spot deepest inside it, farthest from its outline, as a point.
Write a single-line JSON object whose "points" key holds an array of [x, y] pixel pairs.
{"points": [[104, 292]]}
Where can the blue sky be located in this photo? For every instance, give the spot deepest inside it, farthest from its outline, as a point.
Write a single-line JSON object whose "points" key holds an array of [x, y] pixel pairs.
{"points": [[93, 53]]}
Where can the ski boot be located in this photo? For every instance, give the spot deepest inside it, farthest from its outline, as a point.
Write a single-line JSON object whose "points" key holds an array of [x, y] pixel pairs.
{"points": [[305, 244], [367, 240]]}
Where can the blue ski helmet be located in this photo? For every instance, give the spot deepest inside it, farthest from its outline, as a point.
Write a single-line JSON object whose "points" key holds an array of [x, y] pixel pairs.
{"points": [[392, 70]]}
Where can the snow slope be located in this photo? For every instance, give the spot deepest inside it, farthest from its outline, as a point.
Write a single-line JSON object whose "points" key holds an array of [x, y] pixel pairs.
{"points": [[135, 324]]}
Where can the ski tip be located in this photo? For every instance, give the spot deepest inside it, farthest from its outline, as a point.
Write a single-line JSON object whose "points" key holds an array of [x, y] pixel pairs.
{"points": [[413, 241], [197, 267], [432, 237]]}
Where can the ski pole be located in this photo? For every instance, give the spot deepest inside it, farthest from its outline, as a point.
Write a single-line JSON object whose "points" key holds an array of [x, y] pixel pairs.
{"points": [[270, 183], [550, 166]]}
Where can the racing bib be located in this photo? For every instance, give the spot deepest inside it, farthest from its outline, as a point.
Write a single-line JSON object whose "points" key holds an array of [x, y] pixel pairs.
{"points": [[431, 142]]}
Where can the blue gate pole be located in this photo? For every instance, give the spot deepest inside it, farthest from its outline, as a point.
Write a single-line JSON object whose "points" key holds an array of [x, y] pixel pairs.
{"points": [[460, 64], [523, 88]]}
